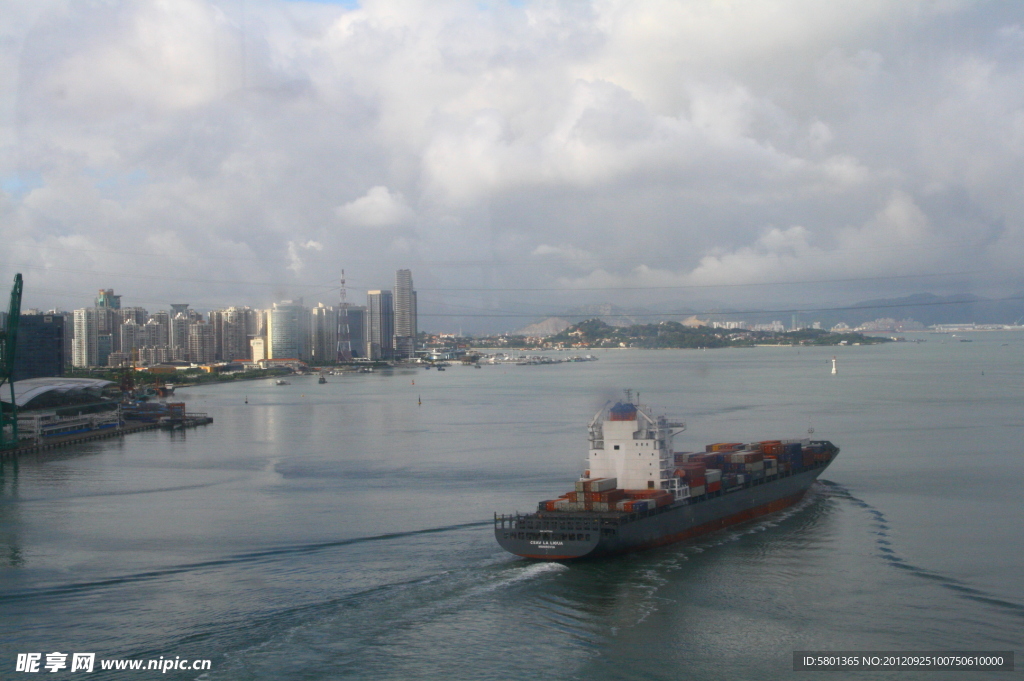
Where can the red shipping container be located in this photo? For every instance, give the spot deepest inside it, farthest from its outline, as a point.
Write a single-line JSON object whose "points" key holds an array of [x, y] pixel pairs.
{"points": [[714, 486], [606, 497], [646, 493], [696, 481], [695, 468]]}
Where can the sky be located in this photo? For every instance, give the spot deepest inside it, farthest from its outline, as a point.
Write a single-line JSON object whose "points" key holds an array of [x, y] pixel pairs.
{"points": [[521, 158]]}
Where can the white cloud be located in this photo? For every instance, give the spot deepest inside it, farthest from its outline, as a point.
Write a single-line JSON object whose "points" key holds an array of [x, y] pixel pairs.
{"points": [[687, 142], [379, 207], [295, 263]]}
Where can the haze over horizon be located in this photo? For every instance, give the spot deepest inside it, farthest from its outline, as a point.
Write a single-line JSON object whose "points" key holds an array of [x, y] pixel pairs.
{"points": [[518, 157]]}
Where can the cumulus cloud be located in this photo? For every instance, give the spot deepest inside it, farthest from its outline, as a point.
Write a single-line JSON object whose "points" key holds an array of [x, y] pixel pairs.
{"points": [[295, 263], [379, 207], [659, 144]]}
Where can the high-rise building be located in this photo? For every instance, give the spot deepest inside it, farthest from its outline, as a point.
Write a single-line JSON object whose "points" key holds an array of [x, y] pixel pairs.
{"points": [[86, 352], [236, 323], [288, 331], [157, 330], [132, 337], [108, 320], [258, 349], [139, 315], [353, 317], [405, 315], [380, 325], [179, 336], [107, 299], [201, 343], [323, 334], [40, 349]]}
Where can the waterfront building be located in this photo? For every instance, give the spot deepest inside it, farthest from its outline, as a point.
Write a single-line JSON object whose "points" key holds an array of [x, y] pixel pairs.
{"points": [[151, 355], [86, 343], [405, 315], [40, 349], [117, 360], [258, 349], [288, 331], [380, 325], [323, 334]]}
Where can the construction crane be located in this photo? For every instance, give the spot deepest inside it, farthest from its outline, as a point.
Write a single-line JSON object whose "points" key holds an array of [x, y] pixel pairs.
{"points": [[8, 344]]}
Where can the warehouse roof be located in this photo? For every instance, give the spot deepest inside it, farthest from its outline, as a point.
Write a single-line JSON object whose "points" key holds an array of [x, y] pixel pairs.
{"points": [[30, 388]]}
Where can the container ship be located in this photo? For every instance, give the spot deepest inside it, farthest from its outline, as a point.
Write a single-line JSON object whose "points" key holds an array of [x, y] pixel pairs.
{"points": [[638, 493]]}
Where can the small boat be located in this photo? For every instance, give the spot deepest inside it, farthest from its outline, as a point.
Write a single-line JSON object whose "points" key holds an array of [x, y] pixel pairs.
{"points": [[282, 382], [322, 379]]}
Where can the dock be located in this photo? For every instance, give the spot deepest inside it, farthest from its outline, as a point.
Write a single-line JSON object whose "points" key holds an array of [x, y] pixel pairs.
{"points": [[189, 421]]}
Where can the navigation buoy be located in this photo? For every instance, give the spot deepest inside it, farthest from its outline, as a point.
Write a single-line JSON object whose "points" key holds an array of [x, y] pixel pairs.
{"points": [[834, 366], [419, 400]]}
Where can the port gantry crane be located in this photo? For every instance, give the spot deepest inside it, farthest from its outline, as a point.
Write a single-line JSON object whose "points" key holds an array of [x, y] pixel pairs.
{"points": [[8, 344]]}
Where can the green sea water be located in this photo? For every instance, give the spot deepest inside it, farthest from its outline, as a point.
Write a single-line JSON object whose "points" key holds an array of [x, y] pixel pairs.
{"points": [[343, 530]]}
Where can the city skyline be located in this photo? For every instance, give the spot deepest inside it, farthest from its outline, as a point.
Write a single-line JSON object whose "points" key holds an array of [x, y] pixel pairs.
{"points": [[109, 334]]}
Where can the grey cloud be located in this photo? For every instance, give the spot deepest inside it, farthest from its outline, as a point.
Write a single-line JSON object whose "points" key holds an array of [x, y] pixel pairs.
{"points": [[578, 144]]}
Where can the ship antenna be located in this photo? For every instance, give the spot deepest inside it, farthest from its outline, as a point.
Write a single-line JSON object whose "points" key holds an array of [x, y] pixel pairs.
{"points": [[629, 396]]}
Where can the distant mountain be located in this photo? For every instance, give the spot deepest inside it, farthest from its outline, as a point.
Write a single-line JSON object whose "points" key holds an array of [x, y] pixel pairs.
{"points": [[548, 327], [926, 308], [930, 309]]}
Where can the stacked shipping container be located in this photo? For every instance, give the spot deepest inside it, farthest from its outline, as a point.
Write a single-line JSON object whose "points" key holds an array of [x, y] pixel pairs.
{"points": [[723, 467]]}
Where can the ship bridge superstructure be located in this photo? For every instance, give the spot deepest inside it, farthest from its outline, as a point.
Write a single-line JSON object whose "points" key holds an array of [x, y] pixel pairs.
{"points": [[630, 444]]}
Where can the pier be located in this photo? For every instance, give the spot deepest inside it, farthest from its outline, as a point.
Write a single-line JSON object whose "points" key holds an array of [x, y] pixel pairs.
{"points": [[191, 420]]}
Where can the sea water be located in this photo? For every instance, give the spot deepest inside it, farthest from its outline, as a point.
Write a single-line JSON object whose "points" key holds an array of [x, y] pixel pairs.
{"points": [[343, 530]]}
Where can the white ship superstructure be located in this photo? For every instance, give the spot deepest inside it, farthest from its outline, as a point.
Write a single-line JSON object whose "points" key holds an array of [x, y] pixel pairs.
{"points": [[634, 448]]}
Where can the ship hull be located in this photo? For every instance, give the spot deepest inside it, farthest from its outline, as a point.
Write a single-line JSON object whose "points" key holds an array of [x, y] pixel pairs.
{"points": [[571, 536]]}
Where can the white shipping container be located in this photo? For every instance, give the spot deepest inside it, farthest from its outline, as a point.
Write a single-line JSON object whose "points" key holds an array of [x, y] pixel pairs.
{"points": [[580, 484], [696, 491], [756, 466], [713, 475], [601, 485]]}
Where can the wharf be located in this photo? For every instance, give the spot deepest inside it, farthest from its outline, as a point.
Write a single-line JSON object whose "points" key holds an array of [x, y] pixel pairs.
{"points": [[191, 421]]}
